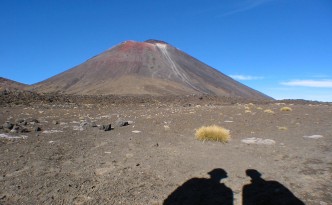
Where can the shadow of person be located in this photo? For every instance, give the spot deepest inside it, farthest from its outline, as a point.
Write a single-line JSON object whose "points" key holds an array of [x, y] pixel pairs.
{"points": [[201, 191], [261, 192]]}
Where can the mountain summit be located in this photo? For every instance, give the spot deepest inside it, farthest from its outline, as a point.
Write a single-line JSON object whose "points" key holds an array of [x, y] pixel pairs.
{"points": [[152, 67]]}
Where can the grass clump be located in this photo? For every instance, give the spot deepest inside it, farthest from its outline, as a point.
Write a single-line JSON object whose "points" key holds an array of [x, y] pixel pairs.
{"points": [[269, 111], [282, 128], [287, 109], [213, 133]]}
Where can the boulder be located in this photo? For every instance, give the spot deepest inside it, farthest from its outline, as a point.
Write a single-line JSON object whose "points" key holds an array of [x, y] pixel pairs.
{"points": [[107, 127]]}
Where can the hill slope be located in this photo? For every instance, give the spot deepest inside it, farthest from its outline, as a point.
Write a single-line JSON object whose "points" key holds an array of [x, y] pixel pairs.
{"points": [[10, 84]]}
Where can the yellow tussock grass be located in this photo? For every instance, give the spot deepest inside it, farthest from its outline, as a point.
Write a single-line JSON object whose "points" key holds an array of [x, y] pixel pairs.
{"points": [[286, 109], [282, 128], [213, 133], [269, 111]]}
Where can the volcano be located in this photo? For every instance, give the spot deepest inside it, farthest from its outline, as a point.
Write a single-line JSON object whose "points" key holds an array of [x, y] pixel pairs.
{"points": [[145, 68]]}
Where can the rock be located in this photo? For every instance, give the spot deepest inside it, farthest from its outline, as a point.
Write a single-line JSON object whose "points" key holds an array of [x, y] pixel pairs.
{"points": [[23, 123], [187, 105], [19, 129], [313, 136], [32, 121], [18, 121], [1, 127], [8, 125], [55, 122], [84, 123], [106, 127], [38, 129], [260, 141], [121, 123], [79, 128], [93, 124]]}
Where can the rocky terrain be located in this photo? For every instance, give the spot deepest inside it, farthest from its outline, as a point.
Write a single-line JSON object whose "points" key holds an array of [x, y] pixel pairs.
{"points": [[66, 149]]}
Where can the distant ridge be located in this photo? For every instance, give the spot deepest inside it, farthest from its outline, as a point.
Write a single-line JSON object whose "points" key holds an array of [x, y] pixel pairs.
{"points": [[152, 67], [10, 84]]}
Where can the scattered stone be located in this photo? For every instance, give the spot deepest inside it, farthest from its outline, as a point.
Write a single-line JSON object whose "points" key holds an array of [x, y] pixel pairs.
{"points": [[78, 128], [313, 136], [8, 125], [38, 129], [187, 105], [51, 131], [121, 123], [32, 121], [19, 129], [18, 121], [106, 127], [166, 127], [55, 122], [12, 137], [260, 141], [93, 124], [84, 123], [24, 123]]}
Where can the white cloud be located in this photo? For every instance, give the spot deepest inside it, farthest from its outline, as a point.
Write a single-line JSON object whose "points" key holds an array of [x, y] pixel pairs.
{"points": [[245, 77], [310, 83], [246, 5]]}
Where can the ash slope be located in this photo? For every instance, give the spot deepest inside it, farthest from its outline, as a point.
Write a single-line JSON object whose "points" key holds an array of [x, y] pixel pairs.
{"points": [[152, 67]]}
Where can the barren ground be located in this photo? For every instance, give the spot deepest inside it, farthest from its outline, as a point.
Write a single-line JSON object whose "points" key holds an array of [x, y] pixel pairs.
{"points": [[85, 165]]}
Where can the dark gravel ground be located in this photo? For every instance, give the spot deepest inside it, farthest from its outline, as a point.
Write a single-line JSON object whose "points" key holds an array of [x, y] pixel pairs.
{"points": [[156, 158]]}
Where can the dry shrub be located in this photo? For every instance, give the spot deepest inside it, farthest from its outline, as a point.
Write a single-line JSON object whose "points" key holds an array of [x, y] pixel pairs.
{"points": [[286, 109], [282, 128], [269, 111], [213, 133]]}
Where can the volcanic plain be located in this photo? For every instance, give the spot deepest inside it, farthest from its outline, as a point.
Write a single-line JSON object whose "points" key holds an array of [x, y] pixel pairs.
{"points": [[151, 156]]}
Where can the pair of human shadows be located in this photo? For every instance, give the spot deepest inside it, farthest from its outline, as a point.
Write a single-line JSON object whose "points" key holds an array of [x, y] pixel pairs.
{"points": [[202, 191]]}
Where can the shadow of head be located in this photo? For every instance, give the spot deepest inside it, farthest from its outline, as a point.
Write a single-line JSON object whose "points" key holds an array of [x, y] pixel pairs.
{"points": [[218, 174], [253, 174]]}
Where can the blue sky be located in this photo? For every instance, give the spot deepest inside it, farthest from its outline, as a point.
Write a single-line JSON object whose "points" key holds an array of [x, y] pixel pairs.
{"points": [[282, 48]]}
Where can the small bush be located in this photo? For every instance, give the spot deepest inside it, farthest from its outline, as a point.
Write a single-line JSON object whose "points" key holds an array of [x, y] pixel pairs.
{"points": [[286, 109], [269, 111], [213, 133]]}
